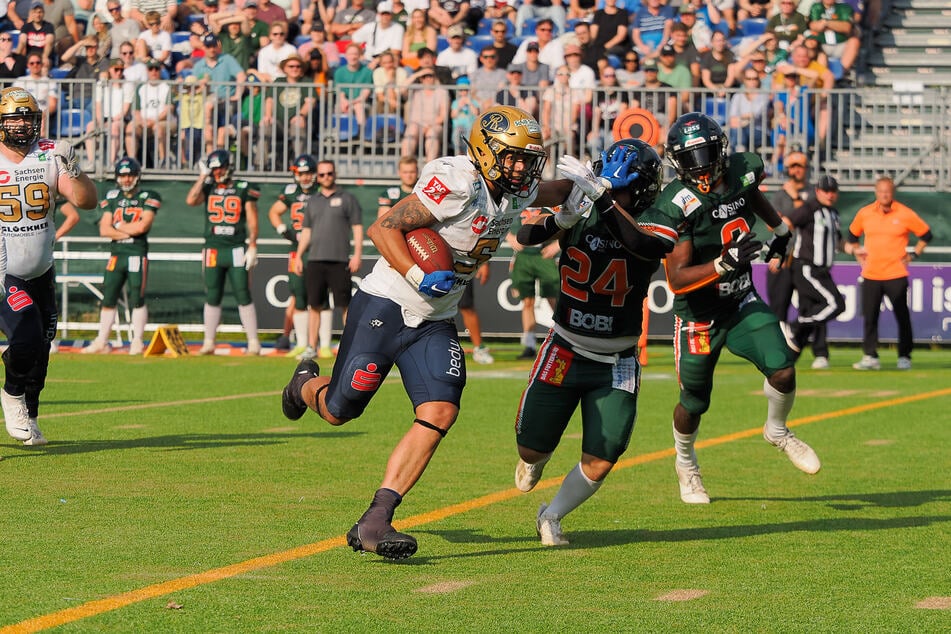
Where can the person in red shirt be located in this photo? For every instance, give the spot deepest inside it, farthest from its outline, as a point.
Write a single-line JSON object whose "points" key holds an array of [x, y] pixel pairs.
{"points": [[886, 224]]}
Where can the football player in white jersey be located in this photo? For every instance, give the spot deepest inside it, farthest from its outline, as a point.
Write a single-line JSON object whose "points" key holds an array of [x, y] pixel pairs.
{"points": [[403, 317], [34, 172]]}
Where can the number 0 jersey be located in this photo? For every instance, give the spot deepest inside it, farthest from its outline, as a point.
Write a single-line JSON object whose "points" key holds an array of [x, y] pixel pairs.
{"points": [[709, 221], [129, 208], [226, 224], [28, 192], [467, 218]]}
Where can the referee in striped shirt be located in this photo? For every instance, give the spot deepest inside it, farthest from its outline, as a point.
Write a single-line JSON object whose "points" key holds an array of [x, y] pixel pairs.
{"points": [[818, 238]]}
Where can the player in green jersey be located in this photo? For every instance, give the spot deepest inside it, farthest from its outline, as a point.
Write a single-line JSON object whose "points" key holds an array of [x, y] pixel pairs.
{"points": [[709, 212], [127, 215], [589, 357], [231, 218]]}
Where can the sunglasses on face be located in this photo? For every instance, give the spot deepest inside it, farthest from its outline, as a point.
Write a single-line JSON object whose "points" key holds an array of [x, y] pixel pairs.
{"points": [[792, 165], [114, 9], [324, 174]]}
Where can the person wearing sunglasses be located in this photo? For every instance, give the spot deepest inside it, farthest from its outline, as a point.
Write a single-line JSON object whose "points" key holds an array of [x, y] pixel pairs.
{"points": [[553, 11], [12, 64], [44, 90], [123, 29], [271, 56], [153, 42], [37, 35]]}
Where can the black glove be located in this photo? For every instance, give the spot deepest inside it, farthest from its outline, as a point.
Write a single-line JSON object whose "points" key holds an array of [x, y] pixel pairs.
{"points": [[290, 235], [737, 253], [776, 246]]}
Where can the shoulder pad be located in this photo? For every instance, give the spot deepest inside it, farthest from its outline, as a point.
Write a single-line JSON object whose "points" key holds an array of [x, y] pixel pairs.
{"points": [[112, 193], [290, 189]]}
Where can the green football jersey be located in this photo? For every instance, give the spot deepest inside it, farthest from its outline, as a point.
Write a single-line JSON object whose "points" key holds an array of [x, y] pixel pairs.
{"points": [[124, 207], [709, 221], [602, 285], [226, 224]]}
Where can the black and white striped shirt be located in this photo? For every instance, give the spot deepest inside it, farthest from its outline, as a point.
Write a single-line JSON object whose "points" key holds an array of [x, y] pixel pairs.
{"points": [[818, 235]]}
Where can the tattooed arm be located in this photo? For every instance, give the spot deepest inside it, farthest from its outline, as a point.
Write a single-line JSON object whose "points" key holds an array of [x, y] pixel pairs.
{"points": [[388, 233]]}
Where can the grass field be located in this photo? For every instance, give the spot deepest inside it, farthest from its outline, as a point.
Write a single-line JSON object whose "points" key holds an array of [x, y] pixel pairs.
{"points": [[174, 497]]}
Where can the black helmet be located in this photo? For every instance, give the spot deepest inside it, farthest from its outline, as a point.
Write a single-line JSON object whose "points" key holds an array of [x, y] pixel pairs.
{"points": [[218, 159], [128, 166], [304, 164], [646, 165], [697, 148]]}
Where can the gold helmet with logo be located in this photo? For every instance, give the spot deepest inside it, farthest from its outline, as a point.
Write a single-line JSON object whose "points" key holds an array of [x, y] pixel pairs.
{"points": [[507, 148], [20, 117]]}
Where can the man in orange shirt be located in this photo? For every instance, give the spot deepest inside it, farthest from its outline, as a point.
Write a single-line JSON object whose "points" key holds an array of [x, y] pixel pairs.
{"points": [[886, 224]]}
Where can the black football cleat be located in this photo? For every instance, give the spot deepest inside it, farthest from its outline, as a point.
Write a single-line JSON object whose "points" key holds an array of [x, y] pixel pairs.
{"points": [[292, 404], [390, 543]]}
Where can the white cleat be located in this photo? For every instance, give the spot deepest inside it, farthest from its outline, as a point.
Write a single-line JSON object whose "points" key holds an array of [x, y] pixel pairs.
{"points": [[798, 452], [820, 363], [97, 347], [36, 436], [136, 348], [868, 362], [691, 484], [904, 363], [308, 354], [480, 354], [207, 348], [253, 349], [15, 416], [549, 528], [528, 475]]}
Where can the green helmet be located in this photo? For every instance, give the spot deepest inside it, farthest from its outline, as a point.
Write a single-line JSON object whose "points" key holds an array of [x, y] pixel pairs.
{"points": [[646, 164], [128, 166], [697, 148]]}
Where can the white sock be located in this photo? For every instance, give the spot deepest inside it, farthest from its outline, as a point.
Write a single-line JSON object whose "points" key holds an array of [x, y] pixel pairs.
{"points": [[684, 444], [528, 340], [778, 406], [107, 317], [326, 327], [575, 489], [249, 321], [140, 317], [300, 326], [212, 318]]}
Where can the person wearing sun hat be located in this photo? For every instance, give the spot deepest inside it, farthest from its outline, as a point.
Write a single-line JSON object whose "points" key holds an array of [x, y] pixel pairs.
{"points": [[289, 105]]}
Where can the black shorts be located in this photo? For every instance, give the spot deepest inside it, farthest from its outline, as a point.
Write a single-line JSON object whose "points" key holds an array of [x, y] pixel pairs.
{"points": [[323, 278]]}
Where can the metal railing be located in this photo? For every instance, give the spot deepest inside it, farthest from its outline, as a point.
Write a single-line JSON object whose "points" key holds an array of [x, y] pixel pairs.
{"points": [[853, 134]]}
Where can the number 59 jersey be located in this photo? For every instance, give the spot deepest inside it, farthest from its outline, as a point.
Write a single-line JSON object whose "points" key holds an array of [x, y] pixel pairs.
{"points": [[28, 192], [226, 224]]}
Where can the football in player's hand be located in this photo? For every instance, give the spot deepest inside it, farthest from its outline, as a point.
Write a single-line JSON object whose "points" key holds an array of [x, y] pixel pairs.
{"points": [[429, 250]]}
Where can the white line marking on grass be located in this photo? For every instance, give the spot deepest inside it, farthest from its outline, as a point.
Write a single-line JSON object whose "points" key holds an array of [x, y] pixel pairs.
{"points": [[935, 603], [682, 595], [879, 442], [165, 588]]}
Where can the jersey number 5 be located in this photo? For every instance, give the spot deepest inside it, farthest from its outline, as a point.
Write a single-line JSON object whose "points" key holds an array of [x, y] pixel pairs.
{"points": [[35, 197]]}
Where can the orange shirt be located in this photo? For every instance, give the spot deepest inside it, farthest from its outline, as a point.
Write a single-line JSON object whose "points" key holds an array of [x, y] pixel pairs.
{"points": [[886, 237]]}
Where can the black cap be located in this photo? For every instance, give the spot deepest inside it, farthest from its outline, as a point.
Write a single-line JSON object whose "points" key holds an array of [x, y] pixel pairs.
{"points": [[828, 184], [668, 50]]}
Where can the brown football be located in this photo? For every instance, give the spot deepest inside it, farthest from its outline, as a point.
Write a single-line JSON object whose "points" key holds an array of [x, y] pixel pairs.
{"points": [[429, 250]]}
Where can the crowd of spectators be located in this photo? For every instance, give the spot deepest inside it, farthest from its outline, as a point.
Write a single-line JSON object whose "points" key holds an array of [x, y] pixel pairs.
{"points": [[762, 67]]}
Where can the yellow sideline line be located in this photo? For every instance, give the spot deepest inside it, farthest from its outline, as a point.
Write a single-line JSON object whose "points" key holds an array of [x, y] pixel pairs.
{"points": [[107, 604]]}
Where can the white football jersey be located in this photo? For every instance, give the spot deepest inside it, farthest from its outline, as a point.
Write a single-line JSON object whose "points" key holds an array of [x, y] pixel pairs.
{"points": [[467, 218], [28, 192]]}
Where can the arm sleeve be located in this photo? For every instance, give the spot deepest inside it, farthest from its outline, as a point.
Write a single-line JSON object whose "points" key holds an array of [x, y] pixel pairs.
{"points": [[640, 240]]}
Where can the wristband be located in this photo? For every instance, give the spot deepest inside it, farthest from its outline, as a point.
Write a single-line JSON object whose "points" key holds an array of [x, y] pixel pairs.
{"points": [[721, 268], [281, 228], [415, 276], [780, 230], [913, 256]]}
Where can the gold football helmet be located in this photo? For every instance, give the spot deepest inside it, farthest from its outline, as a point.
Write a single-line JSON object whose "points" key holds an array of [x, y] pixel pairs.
{"points": [[507, 148], [20, 117]]}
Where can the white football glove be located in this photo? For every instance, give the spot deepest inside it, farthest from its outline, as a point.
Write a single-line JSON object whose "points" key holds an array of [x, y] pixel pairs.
{"points": [[66, 158], [204, 171], [582, 176], [251, 258]]}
